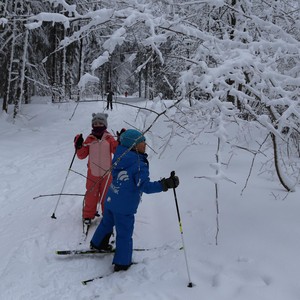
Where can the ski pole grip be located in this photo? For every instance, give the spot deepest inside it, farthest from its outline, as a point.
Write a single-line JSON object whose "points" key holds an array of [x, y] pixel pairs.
{"points": [[172, 173]]}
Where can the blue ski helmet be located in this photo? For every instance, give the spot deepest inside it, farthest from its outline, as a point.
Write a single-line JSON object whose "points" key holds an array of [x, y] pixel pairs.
{"points": [[131, 138]]}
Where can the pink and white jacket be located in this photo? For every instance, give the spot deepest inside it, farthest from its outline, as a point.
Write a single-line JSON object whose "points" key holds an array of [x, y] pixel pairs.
{"points": [[99, 153]]}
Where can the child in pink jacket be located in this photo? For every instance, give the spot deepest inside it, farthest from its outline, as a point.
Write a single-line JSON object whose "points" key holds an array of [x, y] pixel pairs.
{"points": [[99, 147]]}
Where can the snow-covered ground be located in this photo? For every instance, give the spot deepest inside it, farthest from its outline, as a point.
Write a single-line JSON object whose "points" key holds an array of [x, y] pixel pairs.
{"points": [[257, 256]]}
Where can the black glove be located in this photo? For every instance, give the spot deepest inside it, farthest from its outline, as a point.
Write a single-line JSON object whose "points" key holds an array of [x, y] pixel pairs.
{"points": [[119, 134], [78, 141], [169, 183]]}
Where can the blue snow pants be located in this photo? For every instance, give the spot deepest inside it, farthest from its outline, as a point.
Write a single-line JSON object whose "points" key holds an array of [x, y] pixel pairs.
{"points": [[124, 225]]}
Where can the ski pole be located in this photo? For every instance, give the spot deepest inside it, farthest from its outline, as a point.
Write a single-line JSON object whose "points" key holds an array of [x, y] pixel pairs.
{"points": [[181, 231], [103, 192], [53, 215]]}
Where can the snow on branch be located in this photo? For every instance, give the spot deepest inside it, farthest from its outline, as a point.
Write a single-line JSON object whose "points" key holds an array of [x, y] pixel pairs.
{"points": [[117, 38], [71, 9], [102, 59], [98, 18], [155, 41], [47, 17], [3, 22], [85, 79]]}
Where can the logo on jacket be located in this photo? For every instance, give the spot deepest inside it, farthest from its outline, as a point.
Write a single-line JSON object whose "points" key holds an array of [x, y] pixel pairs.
{"points": [[123, 176]]}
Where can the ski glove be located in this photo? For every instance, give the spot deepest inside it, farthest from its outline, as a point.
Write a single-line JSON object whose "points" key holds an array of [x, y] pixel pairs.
{"points": [[119, 134], [169, 183], [78, 141]]}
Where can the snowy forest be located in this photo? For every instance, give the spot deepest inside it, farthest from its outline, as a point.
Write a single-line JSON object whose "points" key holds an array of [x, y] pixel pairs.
{"points": [[214, 86], [219, 61]]}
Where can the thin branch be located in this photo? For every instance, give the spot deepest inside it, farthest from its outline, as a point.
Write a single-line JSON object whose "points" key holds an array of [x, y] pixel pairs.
{"points": [[252, 163], [59, 194]]}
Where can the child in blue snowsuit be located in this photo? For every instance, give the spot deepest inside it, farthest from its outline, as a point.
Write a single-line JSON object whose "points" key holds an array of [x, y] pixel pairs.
{"points": [[130, 180]]}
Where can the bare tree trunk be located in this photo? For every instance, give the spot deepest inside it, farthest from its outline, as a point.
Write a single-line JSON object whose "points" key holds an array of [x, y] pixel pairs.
{"points": [[151, 77], [80, 66], [140, 84], [56, 69], [188, 55], [277, 165], [7, 97], [217, 192], [20, 89], [63, 70], [146, 81], [283, 180], [53, 65]]}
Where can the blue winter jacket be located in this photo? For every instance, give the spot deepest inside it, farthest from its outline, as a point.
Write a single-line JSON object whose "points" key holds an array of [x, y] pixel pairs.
{"points": [[130, 180]]}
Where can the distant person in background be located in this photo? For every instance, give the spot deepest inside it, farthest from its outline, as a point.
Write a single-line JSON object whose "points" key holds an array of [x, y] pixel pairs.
{"points": [[126, 94], [109, 100]]}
